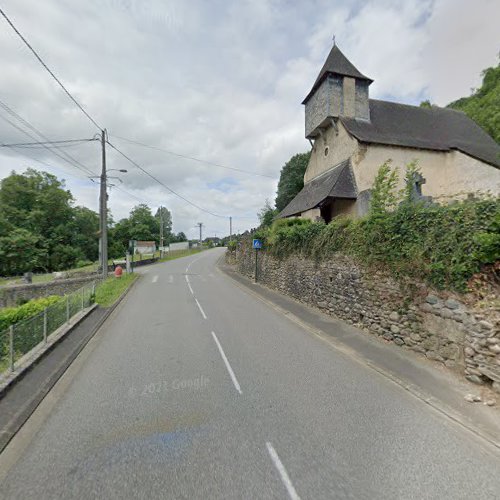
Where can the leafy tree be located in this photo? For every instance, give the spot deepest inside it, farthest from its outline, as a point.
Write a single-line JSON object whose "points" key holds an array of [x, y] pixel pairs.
{"points": [[267, 214], [142, 225], [483, 106], [36, 201], [21, 251], [164, 216], [426, 104], [291, 179], [383, 193], [178, 238], [64, 257], [86, 236], [41, 230]]}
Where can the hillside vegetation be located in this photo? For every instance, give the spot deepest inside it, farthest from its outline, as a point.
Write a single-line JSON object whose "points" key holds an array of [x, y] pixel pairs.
{"points": [[483, 106]]}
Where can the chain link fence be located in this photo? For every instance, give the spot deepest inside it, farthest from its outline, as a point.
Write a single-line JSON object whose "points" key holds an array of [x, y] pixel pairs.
{"points": [[24, 336]]}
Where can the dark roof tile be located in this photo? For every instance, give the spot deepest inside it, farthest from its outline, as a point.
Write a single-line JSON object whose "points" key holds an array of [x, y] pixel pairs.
{"points": [[338, 64], [438, 129]]}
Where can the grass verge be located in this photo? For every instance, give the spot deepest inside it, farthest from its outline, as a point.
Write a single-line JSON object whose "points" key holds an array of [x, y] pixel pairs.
{"points": [[109, 291], [180, 253]]}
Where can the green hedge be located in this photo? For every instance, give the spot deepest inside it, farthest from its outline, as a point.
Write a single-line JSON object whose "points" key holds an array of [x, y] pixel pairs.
{"points": [[12, 315], [443, 245]]}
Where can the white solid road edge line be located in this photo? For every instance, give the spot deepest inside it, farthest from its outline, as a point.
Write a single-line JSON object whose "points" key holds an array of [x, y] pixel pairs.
{"points": [[201, 310], [187, 278], [228, 366], [190, 289], [283, 473], [155, 278]]}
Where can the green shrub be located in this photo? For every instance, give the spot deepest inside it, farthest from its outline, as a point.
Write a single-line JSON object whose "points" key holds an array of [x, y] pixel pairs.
{"points": [[488, 242], [12, 315], [443, 245], [83, 263]]}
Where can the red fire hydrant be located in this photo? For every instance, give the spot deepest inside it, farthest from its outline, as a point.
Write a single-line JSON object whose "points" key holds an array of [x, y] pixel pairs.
{"points": [[118, 272]]}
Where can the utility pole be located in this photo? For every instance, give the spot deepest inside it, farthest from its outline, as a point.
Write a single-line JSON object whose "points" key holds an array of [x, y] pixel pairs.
{"points": [[230, 229], [200, 225], [103, 211], [161, 231]]}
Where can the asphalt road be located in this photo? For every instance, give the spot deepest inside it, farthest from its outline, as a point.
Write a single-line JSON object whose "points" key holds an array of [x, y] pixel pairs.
{"points": [[194, 388]]}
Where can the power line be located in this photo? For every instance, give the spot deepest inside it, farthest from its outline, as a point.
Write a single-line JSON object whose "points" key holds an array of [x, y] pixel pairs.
{"points": [[31, 127], [129, 194], [67, 157], [40, 60], [163, 184], [191, 157], [69, 142], [87, 171], [23, 153]]}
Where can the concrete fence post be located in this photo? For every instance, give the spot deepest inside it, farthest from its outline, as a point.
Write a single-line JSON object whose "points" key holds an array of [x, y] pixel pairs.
{"points": [[11, 347], [45, 325]]}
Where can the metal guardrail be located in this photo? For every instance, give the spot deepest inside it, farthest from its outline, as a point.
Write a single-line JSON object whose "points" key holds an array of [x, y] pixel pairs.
{"points": [[22, 337]]}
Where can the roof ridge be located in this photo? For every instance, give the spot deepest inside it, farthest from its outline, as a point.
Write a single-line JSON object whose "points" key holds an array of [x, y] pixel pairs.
{"points": [[435, 129], [431, 109]]}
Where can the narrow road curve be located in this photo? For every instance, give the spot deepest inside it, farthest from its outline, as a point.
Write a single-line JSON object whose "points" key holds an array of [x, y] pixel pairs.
{"points": [[194, 388]]}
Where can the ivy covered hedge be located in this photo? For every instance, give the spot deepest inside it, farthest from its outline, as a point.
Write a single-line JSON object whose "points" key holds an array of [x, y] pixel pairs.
{"points": [[443, 245], [12, 315]]}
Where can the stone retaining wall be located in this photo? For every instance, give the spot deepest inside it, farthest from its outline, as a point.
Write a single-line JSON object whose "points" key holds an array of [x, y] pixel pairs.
{"points": [[13, 295], [436, 325]]}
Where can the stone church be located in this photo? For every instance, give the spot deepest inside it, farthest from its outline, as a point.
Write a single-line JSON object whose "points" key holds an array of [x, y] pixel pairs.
{"points": [[352, 136]]}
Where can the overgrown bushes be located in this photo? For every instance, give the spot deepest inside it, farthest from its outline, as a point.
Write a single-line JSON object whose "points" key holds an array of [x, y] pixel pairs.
{"points": [[443, 245], [12, 315]]}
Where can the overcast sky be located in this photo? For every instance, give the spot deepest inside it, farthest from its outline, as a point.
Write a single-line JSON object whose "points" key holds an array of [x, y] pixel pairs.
{"points": [[218, 80]]}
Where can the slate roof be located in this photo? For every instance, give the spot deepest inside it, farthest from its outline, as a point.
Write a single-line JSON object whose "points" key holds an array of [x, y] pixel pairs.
{"points": [[338, 182], [336, 63], [437, 129]]}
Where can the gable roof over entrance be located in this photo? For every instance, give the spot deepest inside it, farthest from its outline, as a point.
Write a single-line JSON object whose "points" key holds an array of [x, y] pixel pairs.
{"points": [[336, 183]]}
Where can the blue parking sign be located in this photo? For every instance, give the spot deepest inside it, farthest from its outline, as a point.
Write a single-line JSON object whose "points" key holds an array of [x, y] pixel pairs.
{"points": [[257, 244]]}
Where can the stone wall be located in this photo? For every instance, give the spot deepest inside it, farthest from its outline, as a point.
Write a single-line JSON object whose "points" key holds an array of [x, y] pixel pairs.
{"points": [[410, 315], [15, 294]]}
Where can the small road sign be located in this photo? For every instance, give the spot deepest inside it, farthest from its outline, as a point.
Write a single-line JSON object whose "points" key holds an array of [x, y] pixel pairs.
{"points": [[257, 244]]}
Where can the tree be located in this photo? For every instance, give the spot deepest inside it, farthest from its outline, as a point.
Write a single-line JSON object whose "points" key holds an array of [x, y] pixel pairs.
{"points": [[267, 214], [483, 106], [178, 238], [426, 104], [142, 225], [86, 235], [36, 201], [291, 179], [164, 217], [21, 251]]}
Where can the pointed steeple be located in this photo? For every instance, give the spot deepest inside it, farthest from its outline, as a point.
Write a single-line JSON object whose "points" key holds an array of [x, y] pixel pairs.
{"points": [[340, 91], [336, 64]]}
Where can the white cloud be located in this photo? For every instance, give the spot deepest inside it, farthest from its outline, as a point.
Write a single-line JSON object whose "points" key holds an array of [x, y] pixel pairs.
{"points": [[462, 40], [221, 81]]}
